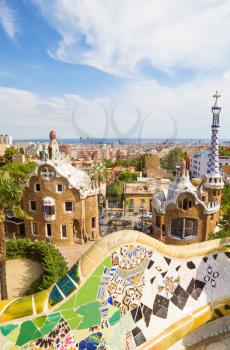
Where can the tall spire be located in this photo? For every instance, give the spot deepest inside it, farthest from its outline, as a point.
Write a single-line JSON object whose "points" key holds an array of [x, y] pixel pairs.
{"points": [[213, 162]]}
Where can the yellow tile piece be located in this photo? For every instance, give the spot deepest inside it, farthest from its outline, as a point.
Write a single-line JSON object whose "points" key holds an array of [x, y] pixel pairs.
{"points": [[21, 307]]}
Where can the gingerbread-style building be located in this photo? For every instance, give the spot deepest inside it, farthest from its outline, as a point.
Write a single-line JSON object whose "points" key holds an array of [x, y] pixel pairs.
{"points": [[184, 213], [61, 200]]}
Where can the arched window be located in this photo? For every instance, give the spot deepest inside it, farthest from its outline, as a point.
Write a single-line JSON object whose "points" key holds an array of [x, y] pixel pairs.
{"points": [[180, 204]]}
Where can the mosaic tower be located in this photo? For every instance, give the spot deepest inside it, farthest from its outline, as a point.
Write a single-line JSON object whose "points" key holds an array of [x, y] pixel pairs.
{"points": [[214, 182]]}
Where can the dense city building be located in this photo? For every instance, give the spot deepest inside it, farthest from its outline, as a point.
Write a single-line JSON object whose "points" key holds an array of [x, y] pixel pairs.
{"points": [[199, 163], [138, 195], [6, 139]]}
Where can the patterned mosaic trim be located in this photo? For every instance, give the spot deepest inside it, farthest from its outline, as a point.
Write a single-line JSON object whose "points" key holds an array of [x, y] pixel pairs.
{"points": [[45, 301]]}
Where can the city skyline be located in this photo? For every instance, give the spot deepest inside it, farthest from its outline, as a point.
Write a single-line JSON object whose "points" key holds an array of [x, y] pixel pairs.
{"points": [[69, 65]]}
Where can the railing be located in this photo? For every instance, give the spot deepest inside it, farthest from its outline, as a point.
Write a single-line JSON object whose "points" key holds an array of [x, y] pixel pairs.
{"points": [[212, 206]]}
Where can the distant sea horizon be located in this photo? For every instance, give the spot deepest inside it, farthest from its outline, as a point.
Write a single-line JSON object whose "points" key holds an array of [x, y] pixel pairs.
{"points": [[86, 140]]}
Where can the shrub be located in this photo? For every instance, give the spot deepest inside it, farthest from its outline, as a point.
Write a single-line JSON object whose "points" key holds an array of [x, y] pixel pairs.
{"points": [[221, 234], [53, 263]]}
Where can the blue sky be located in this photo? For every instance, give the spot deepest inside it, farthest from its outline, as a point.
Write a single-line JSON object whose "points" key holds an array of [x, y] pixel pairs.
{"points": [[163, 60], [27, 65]]}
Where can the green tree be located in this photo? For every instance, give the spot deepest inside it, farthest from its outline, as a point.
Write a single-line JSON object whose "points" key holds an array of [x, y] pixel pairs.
{"points": [[127, 176], [108, 163], [225, 205], [10, 199], [19, 171], [224, 151], [9, 152], [171, 160], [139, 163], [116, 189]]}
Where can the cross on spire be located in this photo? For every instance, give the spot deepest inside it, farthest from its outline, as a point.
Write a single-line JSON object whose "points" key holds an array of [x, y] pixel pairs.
{"points": [[216, 96]]}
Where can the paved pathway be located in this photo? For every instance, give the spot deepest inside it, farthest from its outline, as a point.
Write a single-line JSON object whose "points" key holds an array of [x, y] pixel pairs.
{"points": [[20, 274], [73, 252]]}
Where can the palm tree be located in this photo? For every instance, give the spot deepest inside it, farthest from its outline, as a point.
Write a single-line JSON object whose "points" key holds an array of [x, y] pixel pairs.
{"points": [[10, 198], [99, 173]]}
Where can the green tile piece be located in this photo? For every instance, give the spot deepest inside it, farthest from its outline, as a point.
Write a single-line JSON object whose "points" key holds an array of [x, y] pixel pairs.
{"points": [[88, 292], [51, 322], [28, 332], [8, 329], [91, 313], [13, 336], [68, 304], [72, 318], [115, 318], [39, 321]]}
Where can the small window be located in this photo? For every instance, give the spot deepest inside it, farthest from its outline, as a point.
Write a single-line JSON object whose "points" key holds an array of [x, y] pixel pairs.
{"points": [[190, 204], [33, 206], [93, 222], [185, 204], [48, 230], [63, 231], [59, 188], [203, 199], [34, 228], [142, 203], [214, 192], [37, 187], [180, 205], [68, 206]]}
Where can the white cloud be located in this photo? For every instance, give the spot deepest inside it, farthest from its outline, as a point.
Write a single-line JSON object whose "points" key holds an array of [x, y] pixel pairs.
{"points": [[118, 35], [183, 111], [8, 19]]}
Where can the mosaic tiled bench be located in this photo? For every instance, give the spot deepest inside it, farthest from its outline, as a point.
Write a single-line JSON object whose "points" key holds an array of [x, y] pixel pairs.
{"points": [[129, 291]]}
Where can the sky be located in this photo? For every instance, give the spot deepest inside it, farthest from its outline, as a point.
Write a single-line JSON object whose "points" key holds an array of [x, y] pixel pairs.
{"points": [[113, 68]]}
